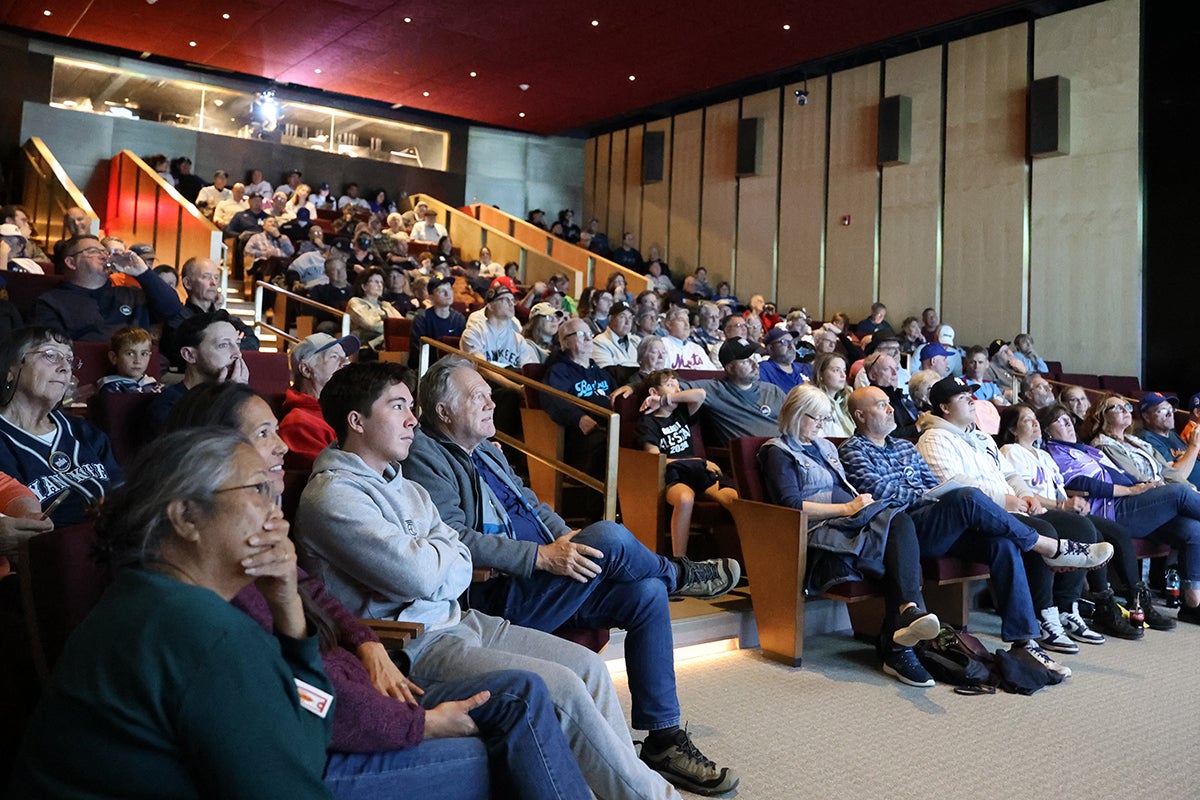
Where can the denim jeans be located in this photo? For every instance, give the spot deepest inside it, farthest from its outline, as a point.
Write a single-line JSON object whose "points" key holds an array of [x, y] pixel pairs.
{"points": [[629, 593], [1169, 514], [967, 524], [519, 752]]}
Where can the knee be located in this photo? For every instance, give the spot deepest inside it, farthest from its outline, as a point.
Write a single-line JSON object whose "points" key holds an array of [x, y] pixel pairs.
{"points": [[516, 682], [607, 536]]}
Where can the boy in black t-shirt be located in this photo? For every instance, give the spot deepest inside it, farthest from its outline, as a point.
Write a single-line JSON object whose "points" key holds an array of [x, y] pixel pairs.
{"points": [[665, 427]]}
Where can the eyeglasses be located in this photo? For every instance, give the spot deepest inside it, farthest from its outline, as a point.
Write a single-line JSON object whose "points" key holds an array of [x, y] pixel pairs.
{"points": [[56, 357], [265, 490], [88, 251], [1119, 407], [584, 336], [819, 420]]}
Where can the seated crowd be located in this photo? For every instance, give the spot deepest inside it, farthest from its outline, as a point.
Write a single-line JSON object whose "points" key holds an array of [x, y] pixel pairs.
{"points": [[897, 447]]}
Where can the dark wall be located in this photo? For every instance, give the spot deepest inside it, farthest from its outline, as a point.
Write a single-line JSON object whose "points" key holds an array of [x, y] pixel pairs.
{"points": [[1171, 108], [26, 76]]}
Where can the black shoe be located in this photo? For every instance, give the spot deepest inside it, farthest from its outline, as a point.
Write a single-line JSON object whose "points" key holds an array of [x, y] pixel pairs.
{"points": [[1189, 614], [915, 625], [1108, 619], [902, 664], [681, 763], [1156, 620]]}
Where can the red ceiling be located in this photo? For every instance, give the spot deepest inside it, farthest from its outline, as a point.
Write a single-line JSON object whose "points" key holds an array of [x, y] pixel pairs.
{"points": [[577, 73]]}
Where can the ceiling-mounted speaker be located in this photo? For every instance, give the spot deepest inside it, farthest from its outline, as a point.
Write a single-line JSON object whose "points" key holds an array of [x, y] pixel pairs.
{"points": [[895, 130], [1050, 117], [653, 144], [749, 146]]}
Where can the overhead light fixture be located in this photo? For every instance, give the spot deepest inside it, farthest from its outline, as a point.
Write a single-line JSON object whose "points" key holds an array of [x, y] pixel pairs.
{"points": [[474, 74], [524, 87], [218, 102], [191, 44], [595, 23], [408, 19], [425, 94], [46, 13], [317, 70], [266, 111], [521, 115], [633, 77], [787, 27], [224, 16]]}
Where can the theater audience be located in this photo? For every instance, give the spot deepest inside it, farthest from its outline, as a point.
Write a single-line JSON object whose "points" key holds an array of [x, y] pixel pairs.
{"points": [[206, 346], [313, 361], [428, 229], [211, 196], [1178, 456], [682, 353], [617, 345], [202, 282], [248, 220], [874, 321], [129, 353], [1022, 350], [975, 371], [439, 320], [738, 404], [541, 332], [829, 375], [910, 336], [494, 335], [255, 184], [368, 310], [1075, 400], [627, 254], [781, 368], [229, 207], [930, 321]]}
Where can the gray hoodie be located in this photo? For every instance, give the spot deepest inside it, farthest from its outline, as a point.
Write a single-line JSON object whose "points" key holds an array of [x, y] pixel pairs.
{"points": [[379, 543]]}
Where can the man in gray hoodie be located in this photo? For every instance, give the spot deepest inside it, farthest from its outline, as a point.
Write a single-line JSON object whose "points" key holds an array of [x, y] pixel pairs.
{"points": [[381, 547]]}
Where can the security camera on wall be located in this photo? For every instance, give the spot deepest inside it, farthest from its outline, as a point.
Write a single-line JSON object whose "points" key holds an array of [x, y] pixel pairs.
{"points": [[801, 97]]}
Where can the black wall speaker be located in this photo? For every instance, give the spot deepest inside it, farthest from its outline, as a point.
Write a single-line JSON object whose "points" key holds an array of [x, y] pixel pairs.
{"points": [[895, 130], [652, 156], [749, 146], [1050, 117]]}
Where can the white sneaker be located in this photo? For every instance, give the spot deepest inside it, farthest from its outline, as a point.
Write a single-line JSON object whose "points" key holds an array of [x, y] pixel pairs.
{"points": [[1043, 658], [1053, 636], [1077, 629]]}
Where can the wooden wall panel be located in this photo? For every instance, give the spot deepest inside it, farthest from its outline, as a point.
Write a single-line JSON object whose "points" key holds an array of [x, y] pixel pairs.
{"points": [[687, 156], [909, 257], [616, 189], [758, 210], [600, 211], [1085, 229], [802, 199], [633, 186], [984, 272], [656, 196], [850, 250], [719, 191], [589, 183]]}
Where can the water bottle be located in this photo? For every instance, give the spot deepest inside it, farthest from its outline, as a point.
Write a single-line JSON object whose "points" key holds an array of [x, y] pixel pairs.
{"points": [[1172, 589]]}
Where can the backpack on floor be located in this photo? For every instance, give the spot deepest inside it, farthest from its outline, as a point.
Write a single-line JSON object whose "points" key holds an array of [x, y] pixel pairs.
{"points": [[959, 659]]}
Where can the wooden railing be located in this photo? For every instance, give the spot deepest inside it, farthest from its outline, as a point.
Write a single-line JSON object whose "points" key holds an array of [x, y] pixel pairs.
{"points": [[47, 193], [142, 207], [470, 234], [281, 300], [596, 268]]}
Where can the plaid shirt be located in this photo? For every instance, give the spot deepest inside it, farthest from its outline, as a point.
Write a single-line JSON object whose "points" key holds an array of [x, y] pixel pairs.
{"points": [[895, 471]]}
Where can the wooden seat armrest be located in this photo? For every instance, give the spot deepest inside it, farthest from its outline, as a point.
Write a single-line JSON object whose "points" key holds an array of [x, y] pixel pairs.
{"points": [[389, 630]]}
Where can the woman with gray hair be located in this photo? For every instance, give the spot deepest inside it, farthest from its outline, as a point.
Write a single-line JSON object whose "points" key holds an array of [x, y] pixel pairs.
{"points": [[850, 535], [165, 673]]}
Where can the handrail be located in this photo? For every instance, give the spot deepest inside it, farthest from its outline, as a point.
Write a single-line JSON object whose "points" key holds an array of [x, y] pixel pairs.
{"points": [[261, 286], [607, 487], [48, 192]]}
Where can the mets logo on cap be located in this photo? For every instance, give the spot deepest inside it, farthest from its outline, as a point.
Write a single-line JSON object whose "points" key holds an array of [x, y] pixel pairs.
{"points": [[764, 410], [60, 461], [126, 311]]}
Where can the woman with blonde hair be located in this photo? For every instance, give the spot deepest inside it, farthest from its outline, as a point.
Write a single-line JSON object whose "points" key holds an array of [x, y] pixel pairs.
{"points": [[829, 375]]}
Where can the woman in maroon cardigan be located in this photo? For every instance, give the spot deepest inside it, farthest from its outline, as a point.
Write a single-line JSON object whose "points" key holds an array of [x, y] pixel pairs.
{"points": [[499, 733]]}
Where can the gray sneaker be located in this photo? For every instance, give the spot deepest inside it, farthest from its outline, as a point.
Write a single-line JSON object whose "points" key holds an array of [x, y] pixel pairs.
{"points": [[1074, 555], [681, 763], [707, 580]]}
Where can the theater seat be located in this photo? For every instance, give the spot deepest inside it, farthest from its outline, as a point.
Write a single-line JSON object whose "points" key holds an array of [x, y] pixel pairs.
{"points": [[122, 416], [270, 375]]}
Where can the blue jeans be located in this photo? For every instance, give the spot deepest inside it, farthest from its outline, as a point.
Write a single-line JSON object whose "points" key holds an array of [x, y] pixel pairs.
{"points": [[630, 593], [519, 752], [967, 524], [1169, 514]]}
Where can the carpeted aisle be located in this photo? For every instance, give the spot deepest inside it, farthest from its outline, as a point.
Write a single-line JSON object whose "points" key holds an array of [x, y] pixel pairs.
{"points": [[1125, 726]]}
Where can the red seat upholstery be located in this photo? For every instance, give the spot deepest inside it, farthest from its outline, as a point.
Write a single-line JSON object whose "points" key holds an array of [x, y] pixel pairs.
{"points": [[25, 287], [1127, 385], [270, 375], [743, 456], [397, 333], [1079, 379], [122, 415]]}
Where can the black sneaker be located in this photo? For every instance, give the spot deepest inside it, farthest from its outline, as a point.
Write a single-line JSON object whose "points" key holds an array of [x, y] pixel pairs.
{"points": [[1156, 620], [1108, 619], [902, 664], [915, 625], [1190, 614], [681, 763], [708, 580]]}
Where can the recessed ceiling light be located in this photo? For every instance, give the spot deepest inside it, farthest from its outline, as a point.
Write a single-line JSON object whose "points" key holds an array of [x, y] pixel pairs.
{"points": [[521, 115], [218, 102], [46, 12], [474, 74], [425, 94], [191, 44], [787, 27], [595, 22], [633, 77], [224, 16], [408, 19], [317, 70], [524, 87]]}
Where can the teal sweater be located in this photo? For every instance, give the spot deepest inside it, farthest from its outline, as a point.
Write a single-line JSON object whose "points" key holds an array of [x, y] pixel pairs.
{"points": [[166, 690]]}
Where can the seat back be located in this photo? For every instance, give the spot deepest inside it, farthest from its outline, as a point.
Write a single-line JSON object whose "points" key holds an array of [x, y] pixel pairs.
{"points": [[537, 372], [1079, 379], [270, 375], [294, 481], [627, 407], [397, 334], [25, 287], [122, 415], [1127, 385], [743, 455], [60, 584]]}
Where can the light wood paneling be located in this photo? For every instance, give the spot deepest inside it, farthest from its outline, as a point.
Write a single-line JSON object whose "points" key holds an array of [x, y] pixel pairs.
{"points": [[633, 186], [616, 190], [687, 147], [984, 277], [656, 196], [909, 277], [802, 199], [589, 182], [758, 213], [1085, 230], [850, 255], [600, 212], [719, 191]]}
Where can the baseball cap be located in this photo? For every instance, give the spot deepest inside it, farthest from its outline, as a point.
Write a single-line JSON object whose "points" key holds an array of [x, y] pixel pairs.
{"points": [[946, 335], [545, 310], [933, 350], [778, 334], [619, 307], [735, 350], [947, 388], [995, 346], [144, 250], [441, 280], [1153, 399], [498, 290], [318, 343], [9, 229], [1194, 403]]}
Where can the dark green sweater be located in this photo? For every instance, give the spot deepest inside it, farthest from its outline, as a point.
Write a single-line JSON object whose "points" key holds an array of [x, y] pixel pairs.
{"points": [[166, 690]]}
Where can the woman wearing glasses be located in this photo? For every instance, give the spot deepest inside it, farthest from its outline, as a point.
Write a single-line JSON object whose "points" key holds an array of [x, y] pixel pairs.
{"points": [[1138, 501], [849, 534], [1107, 425], [384, 726], [66, 461]]}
